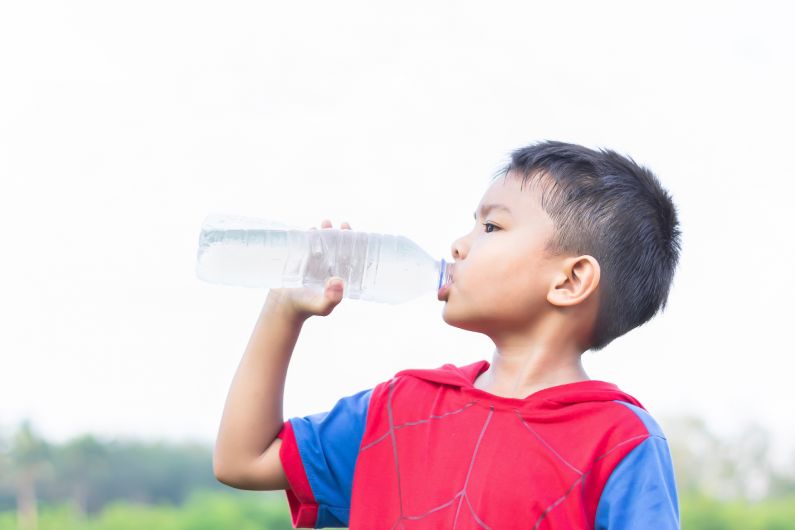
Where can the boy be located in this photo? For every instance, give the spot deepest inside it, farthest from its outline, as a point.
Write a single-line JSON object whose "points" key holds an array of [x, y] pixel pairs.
{"points": [[583, 254]]}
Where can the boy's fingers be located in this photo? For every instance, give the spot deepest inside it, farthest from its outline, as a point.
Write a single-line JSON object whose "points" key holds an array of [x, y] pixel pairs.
{"points": [[325, 223]]}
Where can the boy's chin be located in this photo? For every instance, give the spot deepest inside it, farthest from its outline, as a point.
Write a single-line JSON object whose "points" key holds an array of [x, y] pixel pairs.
{"points": [[448, 315], [457, 320], [489, 322]]}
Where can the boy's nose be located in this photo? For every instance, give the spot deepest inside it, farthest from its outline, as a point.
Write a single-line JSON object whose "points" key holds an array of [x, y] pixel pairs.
{"points": [[458, 250]]}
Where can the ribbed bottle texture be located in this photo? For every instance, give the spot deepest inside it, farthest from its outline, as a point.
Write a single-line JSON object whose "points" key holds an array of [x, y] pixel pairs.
{"points": [[251, 252]]}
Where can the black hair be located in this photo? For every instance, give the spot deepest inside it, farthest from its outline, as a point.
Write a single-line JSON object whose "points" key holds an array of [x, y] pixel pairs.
{"points": [[606, 205]]}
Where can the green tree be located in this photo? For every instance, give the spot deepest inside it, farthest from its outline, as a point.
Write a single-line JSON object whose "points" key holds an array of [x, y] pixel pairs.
{"points": [[83, 468], [728, 467], [27, 463]]}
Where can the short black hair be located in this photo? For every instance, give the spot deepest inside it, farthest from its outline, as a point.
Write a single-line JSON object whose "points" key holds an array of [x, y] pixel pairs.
{"points": [[606, 205]]}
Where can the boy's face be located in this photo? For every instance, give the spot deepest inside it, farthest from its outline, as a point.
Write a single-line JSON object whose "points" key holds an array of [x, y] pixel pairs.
{"points": [[502, 273]]}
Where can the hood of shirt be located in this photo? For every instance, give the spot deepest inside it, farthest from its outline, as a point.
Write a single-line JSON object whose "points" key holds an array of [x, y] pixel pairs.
{"points": [[463, 377]]}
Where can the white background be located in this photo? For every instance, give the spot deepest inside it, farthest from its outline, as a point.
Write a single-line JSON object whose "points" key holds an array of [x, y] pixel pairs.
{"points": [[122, 124]]}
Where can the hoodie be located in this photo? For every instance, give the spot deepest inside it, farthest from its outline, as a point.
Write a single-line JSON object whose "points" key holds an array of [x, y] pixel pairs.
{"points": [[428, 450]]}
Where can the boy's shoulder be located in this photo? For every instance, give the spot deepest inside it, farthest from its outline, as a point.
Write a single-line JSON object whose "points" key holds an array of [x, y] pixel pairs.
{"points": [[595, 404]]}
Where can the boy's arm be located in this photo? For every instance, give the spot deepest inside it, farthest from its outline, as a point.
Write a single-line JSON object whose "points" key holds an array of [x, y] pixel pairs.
{"points": [[246, 452]]}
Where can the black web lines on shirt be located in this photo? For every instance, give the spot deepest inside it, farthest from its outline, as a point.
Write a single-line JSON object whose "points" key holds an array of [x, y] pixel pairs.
{"points": [[412, 423], [462, 496], [581, 479]]}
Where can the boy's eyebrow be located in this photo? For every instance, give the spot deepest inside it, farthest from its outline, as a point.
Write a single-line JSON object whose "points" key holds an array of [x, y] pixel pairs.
{"points": [[486, 208]]}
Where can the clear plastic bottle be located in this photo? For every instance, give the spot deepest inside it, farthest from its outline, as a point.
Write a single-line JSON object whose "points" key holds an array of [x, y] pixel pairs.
{"points": [[252, 252]]}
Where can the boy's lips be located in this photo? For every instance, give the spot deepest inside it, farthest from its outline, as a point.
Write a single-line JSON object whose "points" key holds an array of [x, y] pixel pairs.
{"points": [[444, 291]]}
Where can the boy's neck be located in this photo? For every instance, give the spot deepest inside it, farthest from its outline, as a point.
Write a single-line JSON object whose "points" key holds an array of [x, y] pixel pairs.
{"points": [[517, 372], [545, 354]]}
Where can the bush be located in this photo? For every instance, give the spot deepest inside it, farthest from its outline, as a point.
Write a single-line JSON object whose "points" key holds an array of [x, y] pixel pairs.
{"points": [[203, 510]]}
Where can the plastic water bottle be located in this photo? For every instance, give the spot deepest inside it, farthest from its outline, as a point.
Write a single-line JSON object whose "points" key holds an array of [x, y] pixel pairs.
{"points": [[252, 252]]}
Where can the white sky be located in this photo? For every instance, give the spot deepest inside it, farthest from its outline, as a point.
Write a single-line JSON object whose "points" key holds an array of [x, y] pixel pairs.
{"points": [[123, 124]]}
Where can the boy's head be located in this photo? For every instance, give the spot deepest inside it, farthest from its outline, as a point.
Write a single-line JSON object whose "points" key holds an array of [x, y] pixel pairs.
{"points": [[591, 238]]}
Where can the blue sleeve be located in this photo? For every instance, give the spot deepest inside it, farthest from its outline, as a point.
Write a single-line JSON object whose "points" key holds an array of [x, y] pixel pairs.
{"points": [[328, 443], [641, 491]]}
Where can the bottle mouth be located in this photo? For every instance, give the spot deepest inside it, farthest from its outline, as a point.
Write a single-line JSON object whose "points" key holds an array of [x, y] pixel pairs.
{"points": [[445, 273]]}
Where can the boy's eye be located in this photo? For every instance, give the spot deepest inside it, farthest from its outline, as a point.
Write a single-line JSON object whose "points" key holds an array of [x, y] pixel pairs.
{"points": [[487, 225]]}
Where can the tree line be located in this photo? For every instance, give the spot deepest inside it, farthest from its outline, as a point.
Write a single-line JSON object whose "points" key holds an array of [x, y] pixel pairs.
{"points": [[89, 472], [721, 480]]}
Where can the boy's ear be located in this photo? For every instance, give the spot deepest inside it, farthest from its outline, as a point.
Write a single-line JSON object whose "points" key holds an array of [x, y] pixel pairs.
{"points": [[574, 282]]}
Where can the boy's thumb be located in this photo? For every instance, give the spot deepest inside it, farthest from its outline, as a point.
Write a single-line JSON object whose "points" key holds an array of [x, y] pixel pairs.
{"points": [[334, 288]]}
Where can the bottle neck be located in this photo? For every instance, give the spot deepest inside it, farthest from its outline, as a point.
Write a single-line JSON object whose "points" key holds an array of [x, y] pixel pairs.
{"points": [[443, 274]]}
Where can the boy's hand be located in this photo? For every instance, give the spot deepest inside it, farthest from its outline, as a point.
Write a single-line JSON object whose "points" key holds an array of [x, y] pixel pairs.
{"points": [[304, 302]]}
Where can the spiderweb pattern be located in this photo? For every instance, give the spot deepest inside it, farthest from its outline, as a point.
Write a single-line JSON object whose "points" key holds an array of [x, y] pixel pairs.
{"points": [[461, 499]]}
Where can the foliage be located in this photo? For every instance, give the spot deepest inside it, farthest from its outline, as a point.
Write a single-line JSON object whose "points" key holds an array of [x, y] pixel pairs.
{"points": [[724, 483], [212, 510], [203, 510], [89, 472], [705, 513], [727, 467]]}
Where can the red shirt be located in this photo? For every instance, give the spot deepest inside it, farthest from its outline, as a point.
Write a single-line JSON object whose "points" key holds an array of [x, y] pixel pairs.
{"points": [[428, 450]]}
